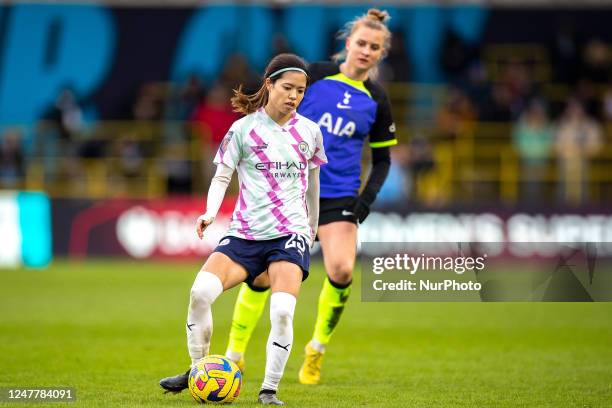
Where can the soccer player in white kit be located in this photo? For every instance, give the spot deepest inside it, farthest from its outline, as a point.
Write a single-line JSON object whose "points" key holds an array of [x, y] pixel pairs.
{"points": [[277, 154], [352, 109]]}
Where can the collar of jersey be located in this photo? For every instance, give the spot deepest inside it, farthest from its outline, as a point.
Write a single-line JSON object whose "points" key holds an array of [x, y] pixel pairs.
{"points": [[340, 77], [267, 117]]}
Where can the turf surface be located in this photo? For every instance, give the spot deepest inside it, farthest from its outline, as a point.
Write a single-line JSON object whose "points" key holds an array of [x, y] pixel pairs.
{"points": [[111, 329]]}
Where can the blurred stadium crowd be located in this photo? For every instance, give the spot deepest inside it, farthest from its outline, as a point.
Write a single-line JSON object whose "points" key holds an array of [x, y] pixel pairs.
{"points": [[523, 124]]}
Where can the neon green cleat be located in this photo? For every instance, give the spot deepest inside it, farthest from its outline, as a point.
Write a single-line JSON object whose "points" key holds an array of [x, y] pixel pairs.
{"points": [[310, 372]]}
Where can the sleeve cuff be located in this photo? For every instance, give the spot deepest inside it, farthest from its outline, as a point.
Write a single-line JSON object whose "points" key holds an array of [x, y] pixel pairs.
{"points": [[385, 143]]}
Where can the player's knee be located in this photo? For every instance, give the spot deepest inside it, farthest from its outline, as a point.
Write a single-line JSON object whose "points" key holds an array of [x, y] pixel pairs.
{"points": [[200, 296], [341, 271], [205, 289]]}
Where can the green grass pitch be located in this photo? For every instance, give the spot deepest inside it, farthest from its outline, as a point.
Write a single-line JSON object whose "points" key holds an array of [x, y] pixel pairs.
{"points": [[112, 329]]}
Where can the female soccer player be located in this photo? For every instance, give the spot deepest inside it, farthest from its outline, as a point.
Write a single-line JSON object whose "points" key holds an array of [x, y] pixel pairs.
{"points": [[348, 105], [277, 153]]}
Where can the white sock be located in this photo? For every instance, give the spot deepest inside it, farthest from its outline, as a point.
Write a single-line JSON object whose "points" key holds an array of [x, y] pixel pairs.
{"points": [[317, 346], [282, 307], [204, 291], [233, 355]]}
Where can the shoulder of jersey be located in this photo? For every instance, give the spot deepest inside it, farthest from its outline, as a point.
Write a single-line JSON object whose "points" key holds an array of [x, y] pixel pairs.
{"points": [[322, 69], [304, 121], [376, 89], [245, 120]]}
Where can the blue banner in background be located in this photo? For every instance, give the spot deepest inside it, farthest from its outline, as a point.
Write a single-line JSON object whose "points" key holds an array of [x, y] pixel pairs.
{"points": [[48, 47], [105, 53]]}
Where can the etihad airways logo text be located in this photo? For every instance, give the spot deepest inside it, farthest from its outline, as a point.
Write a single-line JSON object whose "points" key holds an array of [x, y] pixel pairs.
{"points": [[280, 166]]}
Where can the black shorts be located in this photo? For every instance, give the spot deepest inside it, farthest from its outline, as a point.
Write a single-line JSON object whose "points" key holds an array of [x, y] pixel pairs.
{"points": [[255, 256], [334, 209]]}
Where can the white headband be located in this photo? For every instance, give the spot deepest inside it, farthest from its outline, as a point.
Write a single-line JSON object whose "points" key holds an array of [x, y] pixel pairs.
{"points": [[280, 71]]}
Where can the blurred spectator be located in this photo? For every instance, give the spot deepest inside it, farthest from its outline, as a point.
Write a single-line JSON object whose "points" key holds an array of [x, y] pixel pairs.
{"points": [[185, 98], [577, 140], [498, 107], [190, 94], [11, 159], [212, 119], [149, 102], [566, 53], [533, 137], [214, 115], [131, 158], [178, 172], [518, 78], [420, 155], [510, 95], [396, 66], [455, 116], [455, 54], [477, 86], [66, 115], [586, 93], [58, 132], [280, 44], [420, 162], [238, 71], [596, 61]]}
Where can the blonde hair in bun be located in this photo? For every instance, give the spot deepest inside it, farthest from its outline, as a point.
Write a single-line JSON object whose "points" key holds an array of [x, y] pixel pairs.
{"points": [[375, 19], [379, 15]]}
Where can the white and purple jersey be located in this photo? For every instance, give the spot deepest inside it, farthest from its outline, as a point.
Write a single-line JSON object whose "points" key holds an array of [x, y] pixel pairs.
{"points": [[272, 163]]}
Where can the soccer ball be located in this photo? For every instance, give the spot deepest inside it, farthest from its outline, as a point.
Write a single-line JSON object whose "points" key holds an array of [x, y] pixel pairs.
{"points": [[215, 379]]}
